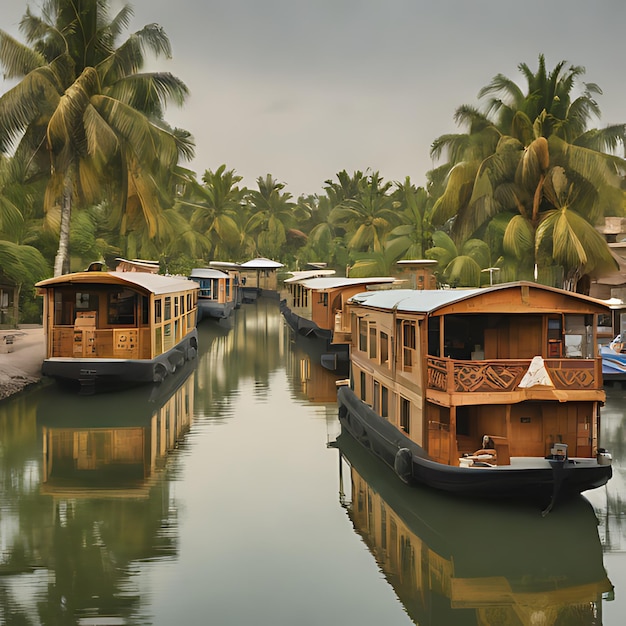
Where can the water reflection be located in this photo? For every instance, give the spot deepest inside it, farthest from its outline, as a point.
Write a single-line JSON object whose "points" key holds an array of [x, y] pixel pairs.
{"points": [[82, 501], [451, 562], [609, 501]]}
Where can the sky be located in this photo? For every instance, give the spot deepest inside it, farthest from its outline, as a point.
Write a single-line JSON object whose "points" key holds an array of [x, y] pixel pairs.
{"points": [[304, 89]]}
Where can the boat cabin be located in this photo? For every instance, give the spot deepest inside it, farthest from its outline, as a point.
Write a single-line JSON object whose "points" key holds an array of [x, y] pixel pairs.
{"points": [[518, 362], [217, 295], [259, 277], [132, 326]]}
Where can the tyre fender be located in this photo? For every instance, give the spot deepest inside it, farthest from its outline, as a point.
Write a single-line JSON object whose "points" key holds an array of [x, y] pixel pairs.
{"points": [[403, 464]]}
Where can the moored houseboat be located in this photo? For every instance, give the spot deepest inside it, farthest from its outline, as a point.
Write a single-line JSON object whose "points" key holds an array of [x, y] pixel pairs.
{"points": [[217, 295], [491, 392], [259, 277], [109, 329], [313, 308]]}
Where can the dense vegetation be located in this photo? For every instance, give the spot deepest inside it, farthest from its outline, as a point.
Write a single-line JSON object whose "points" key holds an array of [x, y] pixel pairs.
{"points": [[90, 169]]}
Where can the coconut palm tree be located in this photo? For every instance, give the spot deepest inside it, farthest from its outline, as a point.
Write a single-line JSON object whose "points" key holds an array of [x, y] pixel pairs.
{"points": [[214, 206], [542, 142], [368, 217], [83, 111], [414, 207], [274, 213]]}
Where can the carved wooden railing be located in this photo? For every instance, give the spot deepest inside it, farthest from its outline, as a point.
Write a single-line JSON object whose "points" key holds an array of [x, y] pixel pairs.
{"points": [[455, 376]]}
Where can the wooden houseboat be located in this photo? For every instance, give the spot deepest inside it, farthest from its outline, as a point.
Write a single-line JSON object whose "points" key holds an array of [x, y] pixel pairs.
{"points": [[259, 277], [110, 329], [313, 308], [217, 296], [454, 561], [482, 392], [234, 271]]}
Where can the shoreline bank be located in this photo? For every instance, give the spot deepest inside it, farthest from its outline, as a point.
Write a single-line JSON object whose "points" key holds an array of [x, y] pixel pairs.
{"points": [[22, 352]]}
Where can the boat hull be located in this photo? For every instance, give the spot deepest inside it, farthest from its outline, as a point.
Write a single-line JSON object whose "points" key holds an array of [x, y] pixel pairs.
{"points": [[92, 375], [208, 309], [543, 480]]}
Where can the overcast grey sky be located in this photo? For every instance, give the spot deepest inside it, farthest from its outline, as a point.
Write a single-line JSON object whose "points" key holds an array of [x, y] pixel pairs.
{"points": [[303, 89]]}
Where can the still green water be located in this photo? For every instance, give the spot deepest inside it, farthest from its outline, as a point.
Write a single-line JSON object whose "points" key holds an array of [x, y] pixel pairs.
{"points": [[218, 500]]}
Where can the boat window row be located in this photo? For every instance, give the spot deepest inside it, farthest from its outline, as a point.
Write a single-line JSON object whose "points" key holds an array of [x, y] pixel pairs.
{"points": [[385, 402], [476, 338], [210, 287]]}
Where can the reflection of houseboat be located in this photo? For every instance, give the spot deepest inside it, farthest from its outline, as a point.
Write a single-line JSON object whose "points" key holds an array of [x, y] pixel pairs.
{"points": [[492, 392], [259, 277], [117, 327], [217, 295], [116, 447], [453, 561]]}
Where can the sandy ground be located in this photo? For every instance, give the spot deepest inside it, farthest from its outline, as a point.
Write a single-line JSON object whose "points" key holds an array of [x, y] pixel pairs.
{"points": [[20, 362]]}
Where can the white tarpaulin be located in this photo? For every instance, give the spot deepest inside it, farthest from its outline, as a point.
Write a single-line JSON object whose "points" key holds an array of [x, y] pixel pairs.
{"points": [[537, 374]]}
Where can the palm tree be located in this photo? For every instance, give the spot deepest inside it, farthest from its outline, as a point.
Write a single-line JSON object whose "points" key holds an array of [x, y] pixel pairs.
{"points": [[275, 214], [414, 206], [462, 268], [368, 217], [539, 165], [84, 112], [214, 206]]}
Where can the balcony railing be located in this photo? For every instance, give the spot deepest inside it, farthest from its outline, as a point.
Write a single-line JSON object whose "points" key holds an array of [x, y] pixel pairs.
{"points": [[455, 376]]}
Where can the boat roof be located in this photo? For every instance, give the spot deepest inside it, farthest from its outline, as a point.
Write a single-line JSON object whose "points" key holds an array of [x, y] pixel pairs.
{"points": [[261, 263], [227, 264], [207, 272], [430, 300], [304, 274], [325, 283], [155, 283]]}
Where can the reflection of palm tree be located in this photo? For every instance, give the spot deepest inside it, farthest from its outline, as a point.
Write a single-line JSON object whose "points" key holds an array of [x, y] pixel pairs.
{"points": [[83, 104], [531, 160]]}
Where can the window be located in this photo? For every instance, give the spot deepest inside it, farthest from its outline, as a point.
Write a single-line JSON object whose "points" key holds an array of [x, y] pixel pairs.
{"points": [[408, 344], [158, 315], [405, 415], [373, 341], [376, 402], [167, 312], [363, 388], [121, 308], [384, 348], [176, 307], [384, 401], [362, 335]]}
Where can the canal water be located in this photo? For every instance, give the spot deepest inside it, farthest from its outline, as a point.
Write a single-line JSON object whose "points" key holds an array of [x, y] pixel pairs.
{"points": [[228, 497]]}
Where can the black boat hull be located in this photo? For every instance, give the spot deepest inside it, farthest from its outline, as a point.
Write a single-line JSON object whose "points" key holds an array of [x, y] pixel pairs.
{"points": [[544, 481]]}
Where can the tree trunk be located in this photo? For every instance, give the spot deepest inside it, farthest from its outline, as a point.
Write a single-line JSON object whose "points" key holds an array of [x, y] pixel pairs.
{"points": [[61, 261]]}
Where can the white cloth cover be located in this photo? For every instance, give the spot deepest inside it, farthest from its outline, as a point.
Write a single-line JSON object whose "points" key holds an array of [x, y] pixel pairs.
{"points": [[537, 374]]}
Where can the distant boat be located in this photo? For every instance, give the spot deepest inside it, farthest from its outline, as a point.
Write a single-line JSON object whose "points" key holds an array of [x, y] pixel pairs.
{"points": [[492, 392], [313, 307], [110, 329], [259, 278], [614, 360], [218, 293]]}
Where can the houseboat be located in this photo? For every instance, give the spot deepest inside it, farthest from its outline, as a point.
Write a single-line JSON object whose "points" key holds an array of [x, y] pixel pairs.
{"points": [[490, 392], [109, 329], [217, 296], [454, 561], [313, 308], [259, 277]]}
